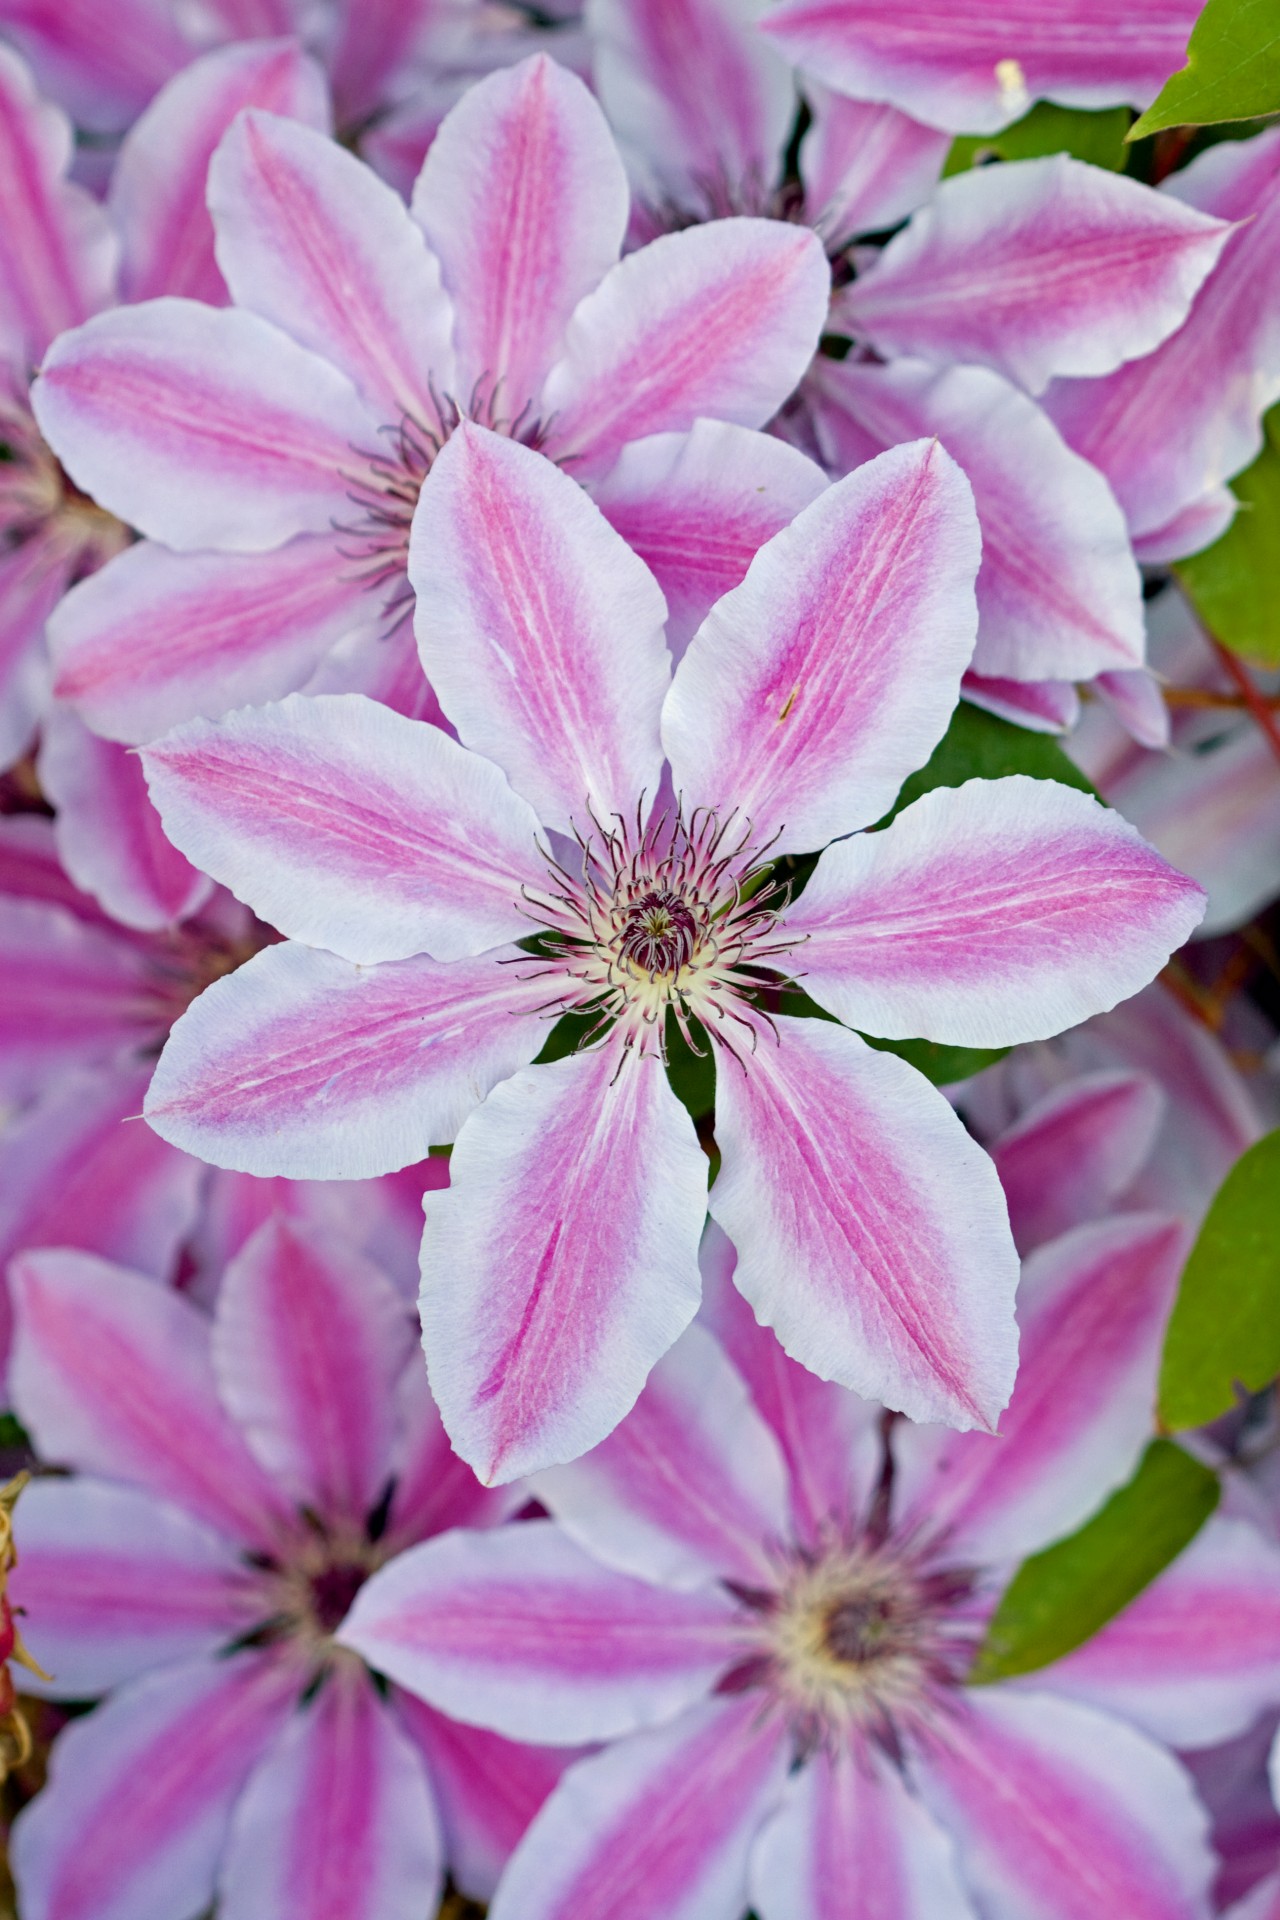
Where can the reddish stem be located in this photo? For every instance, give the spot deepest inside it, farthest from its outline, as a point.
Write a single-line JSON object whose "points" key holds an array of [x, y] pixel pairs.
{"points": [[1253, 698]]}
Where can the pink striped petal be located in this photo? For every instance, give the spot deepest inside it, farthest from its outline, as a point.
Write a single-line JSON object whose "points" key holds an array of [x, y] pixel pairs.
{"points": [[562, 1262], [1194, 528], [828, 1436], [305, 1065], [104, 67], [865, 166], [1166, 436], [57, 250], [308, 1341], [539, 629], [135, 1815], [311, 239], [1036, 268], [701, 105], [1059, 594], [434, 1488], [1066, 1814], [337, 1819], [1072, 1154], [157, 192], [377, 49], [1196, 1656], [698, 506], [114, 1583], [109, 834], [350, 827], [954, 67], [1092, 1307], [1043, 706], [1262, 1903], [849, 1842], [517, 1630], [691, 1487], [814, 688], [112, 1374], [662, 1823], [33, 578], [486, 1789], [156, 638], [721, 319], [200, 427], [871, 1230], [989, 914], [524, 203]]}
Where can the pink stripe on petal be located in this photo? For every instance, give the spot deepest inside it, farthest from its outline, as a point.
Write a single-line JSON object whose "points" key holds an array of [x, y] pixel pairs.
{"points": [[989, 914], [1066, 1814], [815, 687], [698, 506], [202, 428], [871, 1230], [351, 827], [156, 638], [524, 202], [312, 240], [1075, 1151], [721, 320], [517, 1630], [850, 1842], [337, 1822], [561, 1263], [865, 166], [308, 1340], [661, 1823], [1042, 706], [1036, 268], [539, 629], [105, 67], [690, 1487], [157, 192], [434, 1488], [112, 1374], [305, 1065], [135, 1814]]}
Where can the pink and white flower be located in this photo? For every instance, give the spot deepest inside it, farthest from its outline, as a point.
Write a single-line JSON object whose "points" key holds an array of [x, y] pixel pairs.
{"points": [[236, 1481], [562, 1262], [768, 1598]]}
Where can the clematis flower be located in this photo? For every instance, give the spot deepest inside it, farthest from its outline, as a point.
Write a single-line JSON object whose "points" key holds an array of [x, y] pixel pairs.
{"points": [[237, 1480], [562, 1262], [769, 1600], [279, 447]]}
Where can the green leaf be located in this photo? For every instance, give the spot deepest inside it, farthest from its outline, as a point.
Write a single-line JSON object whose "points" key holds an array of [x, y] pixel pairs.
{"points": [[692, 1075], [978, 746], [1225, 1326], [1232, 584], [1061, 1597], [13, 1435], [942, 1065], [1096, 137], [1232, 70]]}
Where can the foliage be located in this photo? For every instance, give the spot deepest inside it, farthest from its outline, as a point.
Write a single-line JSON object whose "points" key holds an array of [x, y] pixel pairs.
{"points": [[1232, 70], [1232, 583], [1096, 137]]}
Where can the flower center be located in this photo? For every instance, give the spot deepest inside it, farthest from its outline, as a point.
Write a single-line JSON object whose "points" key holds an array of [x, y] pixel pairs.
{"points": [[331, 1591], [38, 499], [659, 934]]}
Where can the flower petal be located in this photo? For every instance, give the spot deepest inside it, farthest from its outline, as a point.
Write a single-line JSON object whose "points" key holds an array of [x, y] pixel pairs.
{"points": [[865, 166], [813, 689], [1072, 1154], [1066, 1813], [115, 1582], [156, 638], [434, 1488], [1059, 593], [337, 1818], [539, 629], [202, 427], [305, 1065], [111, 1373], [308, 1341], [562, 1262], [105, 69], [659, 1824], [1197, 1654], [698, 506], [33, 578], [689, 1488], [312, 240], [134, 1817], [157, 192], [1036, 268], [517, 1630], [849, 1842], [524, 203], [350, 827], [871, 1230], [720, 320], [1042, 706], [989, 914]]}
